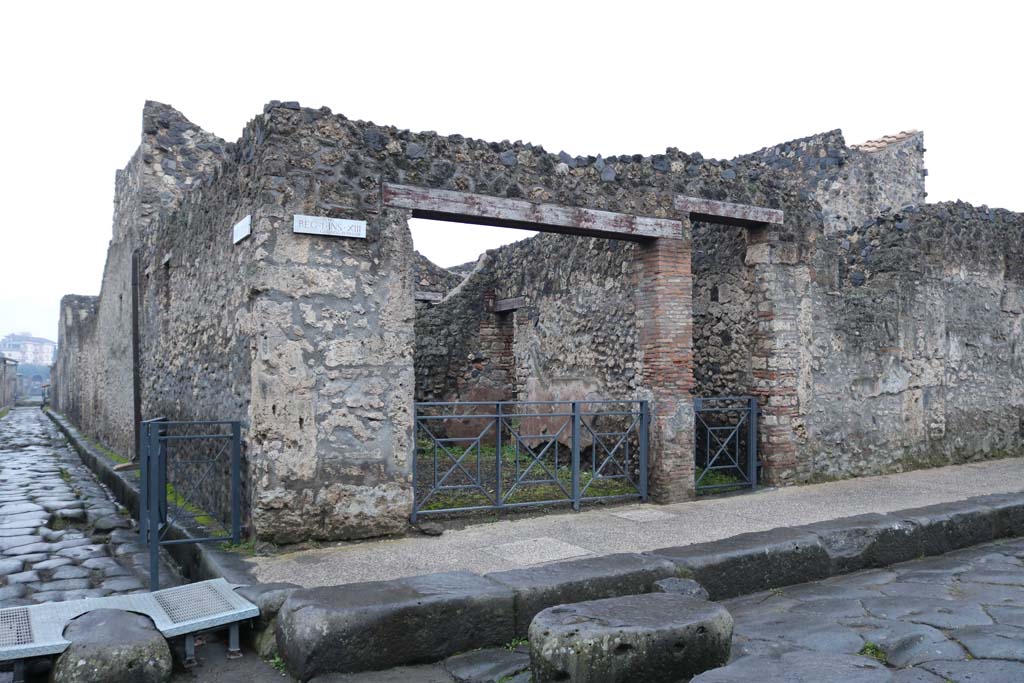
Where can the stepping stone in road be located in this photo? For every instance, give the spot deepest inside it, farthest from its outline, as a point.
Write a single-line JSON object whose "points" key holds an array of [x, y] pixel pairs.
{"points": [[655, 638], [116, 647]]}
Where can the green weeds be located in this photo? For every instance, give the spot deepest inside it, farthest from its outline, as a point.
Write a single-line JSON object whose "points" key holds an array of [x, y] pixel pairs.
{"points": [[875, 652]]}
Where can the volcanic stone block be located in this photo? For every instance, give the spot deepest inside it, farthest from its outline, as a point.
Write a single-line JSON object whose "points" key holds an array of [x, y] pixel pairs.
{"points": [[950, 526], [490, 665], [687, 587], [1008, 513], [592, 578], [651, 638], [752, 562], [382, 624], [800, 667], [871, 540], [269, 597], [112, 646]]}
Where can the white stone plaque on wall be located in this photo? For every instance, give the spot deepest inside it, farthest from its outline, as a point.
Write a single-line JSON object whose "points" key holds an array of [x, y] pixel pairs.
{"points": [[333, 227], [242, 229]]}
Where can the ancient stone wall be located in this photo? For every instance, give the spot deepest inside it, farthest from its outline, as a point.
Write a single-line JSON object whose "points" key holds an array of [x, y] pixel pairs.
{"points": [[171, 205], [312, 339], [916, 346], [73, 385], [572, 335], [725, 297]]}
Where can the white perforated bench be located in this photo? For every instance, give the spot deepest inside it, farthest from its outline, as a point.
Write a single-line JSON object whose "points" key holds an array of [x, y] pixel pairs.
{"points": [[38, 630]]}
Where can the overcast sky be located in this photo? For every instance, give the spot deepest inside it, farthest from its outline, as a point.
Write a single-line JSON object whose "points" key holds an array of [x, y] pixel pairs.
{"points": [[721, 78]]}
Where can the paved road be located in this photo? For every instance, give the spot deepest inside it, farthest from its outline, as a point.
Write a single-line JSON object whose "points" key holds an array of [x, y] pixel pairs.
{"points": [[510, 543], [61, 535], [957, 617]]}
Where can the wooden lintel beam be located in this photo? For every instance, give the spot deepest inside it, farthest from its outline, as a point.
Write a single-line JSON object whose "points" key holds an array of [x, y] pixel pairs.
{"points": [[510, 304], [466, 207], [727, 213], [433, 297]]}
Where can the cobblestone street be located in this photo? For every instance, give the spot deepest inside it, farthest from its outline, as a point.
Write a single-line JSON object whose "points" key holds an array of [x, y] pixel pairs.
{"points": [[61, 535], [957, 617]]}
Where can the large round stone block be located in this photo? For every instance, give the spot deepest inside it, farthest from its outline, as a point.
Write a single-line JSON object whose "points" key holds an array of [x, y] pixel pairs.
{"points": [[112, 646], [651, 638]]}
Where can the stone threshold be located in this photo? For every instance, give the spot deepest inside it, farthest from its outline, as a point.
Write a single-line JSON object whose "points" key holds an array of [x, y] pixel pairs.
{"points": [[439, 615], [198, 561]]}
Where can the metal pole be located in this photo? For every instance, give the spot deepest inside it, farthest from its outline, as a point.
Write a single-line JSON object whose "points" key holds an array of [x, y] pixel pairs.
{"points": [[161, 467], [415, 457], [752, 444], [236, 482], [576, 456], [234, 650], [154, 514], [143, 482], [497, 452], [645, 423]]}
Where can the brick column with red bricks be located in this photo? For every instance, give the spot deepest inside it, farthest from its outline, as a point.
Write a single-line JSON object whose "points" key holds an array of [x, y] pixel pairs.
{"points": [[776, 354], [665, 314]]}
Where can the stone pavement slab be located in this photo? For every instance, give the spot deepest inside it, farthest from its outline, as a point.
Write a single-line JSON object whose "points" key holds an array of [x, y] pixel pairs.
{"points": [[967, 631], [51, 548], [489, 546]]}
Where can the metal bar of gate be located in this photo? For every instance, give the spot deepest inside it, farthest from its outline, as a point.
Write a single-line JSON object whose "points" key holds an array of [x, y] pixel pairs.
{"points": [[576, 456], [154, 511], [752, 444], [645, 422], [236, 482]]}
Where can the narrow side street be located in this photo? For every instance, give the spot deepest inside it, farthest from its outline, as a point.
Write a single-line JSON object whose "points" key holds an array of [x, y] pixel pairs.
{"points": [[61, 535]]}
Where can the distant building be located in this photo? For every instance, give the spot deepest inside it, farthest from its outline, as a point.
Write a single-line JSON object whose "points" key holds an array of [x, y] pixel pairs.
{"points": [[25, 348], [8, 382]]}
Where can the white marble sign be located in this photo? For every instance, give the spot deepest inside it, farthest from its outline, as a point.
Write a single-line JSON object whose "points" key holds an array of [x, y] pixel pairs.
{"points": [[242, 229], [333, 227]]}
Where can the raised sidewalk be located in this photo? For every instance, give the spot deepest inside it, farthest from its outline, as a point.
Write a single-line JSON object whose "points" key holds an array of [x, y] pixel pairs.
{"points": [[519, 542]]}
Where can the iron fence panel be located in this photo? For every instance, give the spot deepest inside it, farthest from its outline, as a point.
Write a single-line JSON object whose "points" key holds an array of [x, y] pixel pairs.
{"points": [[476, 455], [726, 443], [183, 466]]}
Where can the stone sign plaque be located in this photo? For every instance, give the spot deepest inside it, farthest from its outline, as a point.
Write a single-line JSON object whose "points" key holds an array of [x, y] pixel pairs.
{"points": [[332, 227], [242, 229]]}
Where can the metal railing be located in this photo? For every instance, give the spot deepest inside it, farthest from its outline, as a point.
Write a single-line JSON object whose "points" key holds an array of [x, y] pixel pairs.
{"points": [[176, 460], [509, 454], [726, 443]]}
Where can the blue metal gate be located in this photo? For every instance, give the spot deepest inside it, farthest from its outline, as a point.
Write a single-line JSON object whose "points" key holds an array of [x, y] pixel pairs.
{"points": [[726, 443], [176, 460], [510, 454]]}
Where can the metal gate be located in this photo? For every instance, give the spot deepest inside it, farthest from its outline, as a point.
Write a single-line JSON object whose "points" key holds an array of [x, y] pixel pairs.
{"points": [[726, 443], [510, 454], [176, 461]]}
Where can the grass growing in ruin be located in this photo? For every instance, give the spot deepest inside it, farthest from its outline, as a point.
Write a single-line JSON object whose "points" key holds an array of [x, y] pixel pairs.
{"points": [[524, 493], [116, 457], [3, 412], [719, 478], [200, 515], [247, 548]]}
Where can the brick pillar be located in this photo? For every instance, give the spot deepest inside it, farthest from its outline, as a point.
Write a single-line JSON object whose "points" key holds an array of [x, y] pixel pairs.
{"points": [[776, 353], [665, 314]]}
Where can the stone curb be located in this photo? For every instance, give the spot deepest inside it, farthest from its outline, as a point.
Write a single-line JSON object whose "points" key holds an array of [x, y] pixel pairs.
{"points": [[763, 560], [730, 567], [198, 561]]}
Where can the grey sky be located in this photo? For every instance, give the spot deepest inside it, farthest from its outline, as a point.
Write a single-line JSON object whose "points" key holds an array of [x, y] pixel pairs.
{"points": [[719, 78]]}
